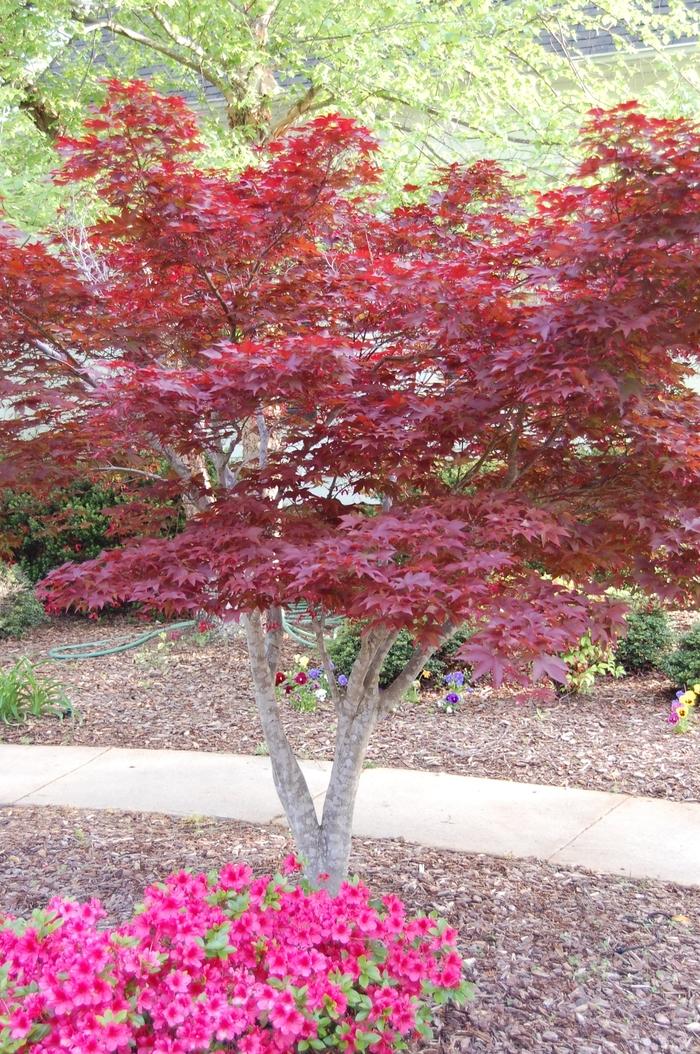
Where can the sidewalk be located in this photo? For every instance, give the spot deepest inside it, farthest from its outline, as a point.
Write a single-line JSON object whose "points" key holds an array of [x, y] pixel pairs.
{"points": [[609, 833]]}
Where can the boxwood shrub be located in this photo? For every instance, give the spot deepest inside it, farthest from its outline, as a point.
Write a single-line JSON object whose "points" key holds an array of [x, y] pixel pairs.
{"points": [[647, 641], [682, 664]]}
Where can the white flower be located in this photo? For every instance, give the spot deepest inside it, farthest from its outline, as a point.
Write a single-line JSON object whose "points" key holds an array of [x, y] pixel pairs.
{"points": [[320, 694]]}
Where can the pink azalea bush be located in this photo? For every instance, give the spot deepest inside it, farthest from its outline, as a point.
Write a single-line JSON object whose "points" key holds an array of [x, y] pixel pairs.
{"points": [[225, 962]]}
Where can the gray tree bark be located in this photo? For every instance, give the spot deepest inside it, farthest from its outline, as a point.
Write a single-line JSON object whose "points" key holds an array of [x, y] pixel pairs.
{"points": [[324, 844]]}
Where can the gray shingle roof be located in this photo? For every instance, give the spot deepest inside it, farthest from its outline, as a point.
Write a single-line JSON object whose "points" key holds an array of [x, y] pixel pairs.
{"points": [[592, 43]]}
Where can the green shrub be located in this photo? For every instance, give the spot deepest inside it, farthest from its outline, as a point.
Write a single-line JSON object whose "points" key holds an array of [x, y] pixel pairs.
{"points": [[682, 665], [69, 525], [344, 648], [26, 693], [19, 607], [72, 523], [647, 641]]}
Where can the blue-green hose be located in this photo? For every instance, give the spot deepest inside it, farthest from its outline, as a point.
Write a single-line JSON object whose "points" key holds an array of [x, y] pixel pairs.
{"points": [[96, 649]]}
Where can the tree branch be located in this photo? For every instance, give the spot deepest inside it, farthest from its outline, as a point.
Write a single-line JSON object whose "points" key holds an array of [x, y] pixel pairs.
{"points": [[129, 471], [389, 697], [200, 66], [306, 104], [318, 624], [273, 637]]}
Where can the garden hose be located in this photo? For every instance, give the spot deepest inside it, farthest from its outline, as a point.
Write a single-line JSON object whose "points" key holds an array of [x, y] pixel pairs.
{"points": [[295, 629], [96, 649]]}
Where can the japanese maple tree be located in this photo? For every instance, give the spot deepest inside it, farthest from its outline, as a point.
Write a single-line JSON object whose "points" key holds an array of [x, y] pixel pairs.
{"points": [[471, 410]]}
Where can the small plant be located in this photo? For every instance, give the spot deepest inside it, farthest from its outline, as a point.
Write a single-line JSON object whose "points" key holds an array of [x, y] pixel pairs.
{"points": [[587, 662], [683, 709], [204, 633], [305, 687], [157, 655], [647, 641], [682, 665], [19, 608], [457, 688], [24, 692]]}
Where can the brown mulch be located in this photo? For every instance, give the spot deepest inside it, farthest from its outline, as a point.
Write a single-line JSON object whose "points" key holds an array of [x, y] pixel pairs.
{"points": [[200, 698], [564, 962]]}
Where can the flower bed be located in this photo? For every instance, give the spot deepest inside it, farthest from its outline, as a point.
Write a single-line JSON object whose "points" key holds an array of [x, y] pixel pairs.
{"points": [[207, 961]]}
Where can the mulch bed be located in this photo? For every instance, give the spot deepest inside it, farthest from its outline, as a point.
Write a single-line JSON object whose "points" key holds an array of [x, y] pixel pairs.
{"points": [[200, 698], [565, 962]]}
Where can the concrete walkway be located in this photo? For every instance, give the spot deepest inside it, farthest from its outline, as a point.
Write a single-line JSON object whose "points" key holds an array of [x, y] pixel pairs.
{"points": [[610, 833]]}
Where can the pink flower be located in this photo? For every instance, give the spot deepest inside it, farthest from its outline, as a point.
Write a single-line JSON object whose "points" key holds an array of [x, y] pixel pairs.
{"points": [[290, 865], [228, 959]]}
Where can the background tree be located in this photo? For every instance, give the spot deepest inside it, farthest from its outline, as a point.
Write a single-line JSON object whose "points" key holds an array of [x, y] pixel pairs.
{"points": [[415, 419], [440, 80]]}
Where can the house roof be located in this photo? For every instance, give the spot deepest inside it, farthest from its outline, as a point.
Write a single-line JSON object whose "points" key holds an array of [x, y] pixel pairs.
{"points": [[597, 43]]}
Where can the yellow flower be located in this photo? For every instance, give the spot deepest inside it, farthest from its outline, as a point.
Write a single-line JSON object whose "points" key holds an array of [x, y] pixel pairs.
{"points": [[302, 661], [696, 689], [425, 673], [687, 698], [682, 712]]}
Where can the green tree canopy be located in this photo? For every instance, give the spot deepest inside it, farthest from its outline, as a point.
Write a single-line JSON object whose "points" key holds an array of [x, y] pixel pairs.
{"points": [[439, 80]]}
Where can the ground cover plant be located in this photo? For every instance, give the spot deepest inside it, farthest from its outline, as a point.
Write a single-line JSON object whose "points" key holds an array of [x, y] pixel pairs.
{"points": [[415, 419], [208, 961]]}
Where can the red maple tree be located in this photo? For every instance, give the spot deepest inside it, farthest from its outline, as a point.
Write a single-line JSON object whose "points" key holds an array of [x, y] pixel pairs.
{"points": [[415, 419]]}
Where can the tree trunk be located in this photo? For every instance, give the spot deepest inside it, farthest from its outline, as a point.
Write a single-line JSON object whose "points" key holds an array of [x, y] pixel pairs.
{"points": [[323, 847], [289, 780], [355, 726]]}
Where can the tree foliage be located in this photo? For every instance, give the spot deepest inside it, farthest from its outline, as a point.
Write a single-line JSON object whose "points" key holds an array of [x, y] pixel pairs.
{"points": [[472, 409], [439, 79]]}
